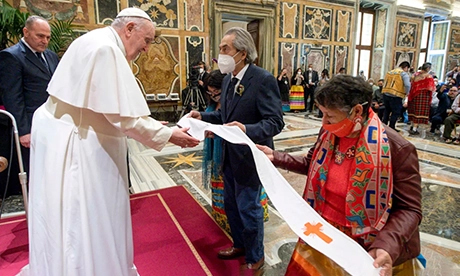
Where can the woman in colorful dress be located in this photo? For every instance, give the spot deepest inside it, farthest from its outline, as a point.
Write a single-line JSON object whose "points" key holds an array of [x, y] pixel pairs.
{"points": [[419, 99], [212, 176], [363, 178], [296, 98], [283, 84]]}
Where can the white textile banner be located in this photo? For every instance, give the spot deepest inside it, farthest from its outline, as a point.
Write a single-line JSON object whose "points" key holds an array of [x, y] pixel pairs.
{"points": [[297, 213]]}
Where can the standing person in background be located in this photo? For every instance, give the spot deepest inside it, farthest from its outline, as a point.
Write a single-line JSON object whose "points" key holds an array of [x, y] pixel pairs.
{"points": [[202, 74], [395, 88], [310, 81], [419, 99], [296, 96], [79, 214], [324, 77], [342, 71], [283, 85], [213, 176], [251, 101], [25, 71], [377, 99], [361, 74]]}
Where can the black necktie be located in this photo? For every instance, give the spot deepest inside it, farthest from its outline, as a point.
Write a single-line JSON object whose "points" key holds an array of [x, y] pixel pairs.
{"points": [[231, 92], [40, 57]]}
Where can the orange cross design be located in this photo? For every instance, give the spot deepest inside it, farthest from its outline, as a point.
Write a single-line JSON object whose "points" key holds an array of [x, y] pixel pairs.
{"points": [[315, 229]]}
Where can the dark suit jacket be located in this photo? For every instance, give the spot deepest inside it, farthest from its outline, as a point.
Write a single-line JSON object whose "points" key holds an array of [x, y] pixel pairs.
{"points": [[259, 109], [23, 82], [314, 77]]}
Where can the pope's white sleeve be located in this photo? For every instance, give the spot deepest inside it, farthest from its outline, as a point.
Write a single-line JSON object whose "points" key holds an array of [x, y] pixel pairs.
{"points": [[143, 129]]}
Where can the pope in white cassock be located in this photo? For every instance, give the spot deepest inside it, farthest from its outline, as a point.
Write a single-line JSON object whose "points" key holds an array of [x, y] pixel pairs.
{"points": [[79, 215]]}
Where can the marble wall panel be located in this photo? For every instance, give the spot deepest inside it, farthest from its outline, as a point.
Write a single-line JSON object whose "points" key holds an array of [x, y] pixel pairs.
{"points": [[163, 12], [318, 56], [452, 61], [400, 56], [317, 23], [340, 58], [57, 9], [157, 71], [343, 23], [287, 57], [194, 51], [454, 40], [289, 20], [377, 61], [406, 34], [380, 28], [194, 15], [105, 11]]}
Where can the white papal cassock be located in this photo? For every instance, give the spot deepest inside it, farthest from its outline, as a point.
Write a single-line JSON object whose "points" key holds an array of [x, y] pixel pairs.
{"points": [[79, 215]]}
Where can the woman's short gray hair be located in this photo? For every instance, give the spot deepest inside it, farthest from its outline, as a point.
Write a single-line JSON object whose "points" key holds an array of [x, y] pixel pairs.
{"points": [[243, 42]]}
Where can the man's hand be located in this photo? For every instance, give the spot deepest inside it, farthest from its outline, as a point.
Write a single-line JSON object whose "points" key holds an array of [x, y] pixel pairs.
{"points": [[268, 151], [25, 140], [382, 259], [200, 82], [182, 139], [238, 124], [194, 114]]}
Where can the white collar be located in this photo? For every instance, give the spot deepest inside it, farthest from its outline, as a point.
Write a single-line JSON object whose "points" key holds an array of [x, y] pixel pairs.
{"points": [[28, 46], [118, 41], [241, 73]]}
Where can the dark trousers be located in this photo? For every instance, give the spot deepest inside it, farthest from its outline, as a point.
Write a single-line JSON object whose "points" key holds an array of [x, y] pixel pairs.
{"points": [[309, 92], [393, 106], [245, 216], [8, 150], [436, 121], [449, 124]]}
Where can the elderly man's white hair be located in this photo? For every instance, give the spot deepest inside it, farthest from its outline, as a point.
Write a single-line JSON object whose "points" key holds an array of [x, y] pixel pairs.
{"points": [[243, 42]]}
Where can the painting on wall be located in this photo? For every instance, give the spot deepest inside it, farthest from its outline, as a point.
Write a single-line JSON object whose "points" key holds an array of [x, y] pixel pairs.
{"points": [[318, 56], [163, 12], [287, 57], [454, 40], [194, 14], [452, 61], [289, 20], [380, 32], [340, 58], [56, 9], [105, 11], [343, 23], [400, 56], [406, 35], [157, 71], [317, 23]]}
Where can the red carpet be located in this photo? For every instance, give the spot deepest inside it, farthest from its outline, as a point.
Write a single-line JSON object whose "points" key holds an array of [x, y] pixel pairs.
{"points": [[173, 235]]}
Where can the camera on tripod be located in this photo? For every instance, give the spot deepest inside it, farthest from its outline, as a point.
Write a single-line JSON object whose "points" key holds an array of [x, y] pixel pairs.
{"points": [[192, 96]]}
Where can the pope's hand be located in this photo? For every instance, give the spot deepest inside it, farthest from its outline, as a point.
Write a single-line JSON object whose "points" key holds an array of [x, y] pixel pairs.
{"points": [[181, 138], [194, 114], [382, 259], [268, 151], [238, 124]]}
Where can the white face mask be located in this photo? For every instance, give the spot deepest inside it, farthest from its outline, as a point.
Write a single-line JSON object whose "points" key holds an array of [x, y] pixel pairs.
{"points": [[201, 70], [226, 63], [309, 69]]}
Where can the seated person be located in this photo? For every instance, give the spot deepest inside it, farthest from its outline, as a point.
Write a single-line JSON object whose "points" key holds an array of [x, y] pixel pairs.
{"points": [[445, 99], [453, 116]]}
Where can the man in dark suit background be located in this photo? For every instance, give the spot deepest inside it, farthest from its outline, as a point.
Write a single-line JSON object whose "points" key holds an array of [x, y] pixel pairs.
{"points": [[250, 100], [311, 79], [25, 71]]}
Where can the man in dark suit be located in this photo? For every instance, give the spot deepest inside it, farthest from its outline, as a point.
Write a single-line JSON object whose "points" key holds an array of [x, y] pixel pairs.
{"points": [[311, 79], [250, 100], [25, 70]]}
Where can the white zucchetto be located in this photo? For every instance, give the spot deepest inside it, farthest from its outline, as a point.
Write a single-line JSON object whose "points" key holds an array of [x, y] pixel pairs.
{"points": [[134, 12]]}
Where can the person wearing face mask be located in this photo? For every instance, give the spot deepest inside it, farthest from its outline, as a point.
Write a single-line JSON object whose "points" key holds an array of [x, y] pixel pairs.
{"points": [[296, 95], [251, 101], [213, 177], [363, 178], [202, 75], [311, 81]]}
